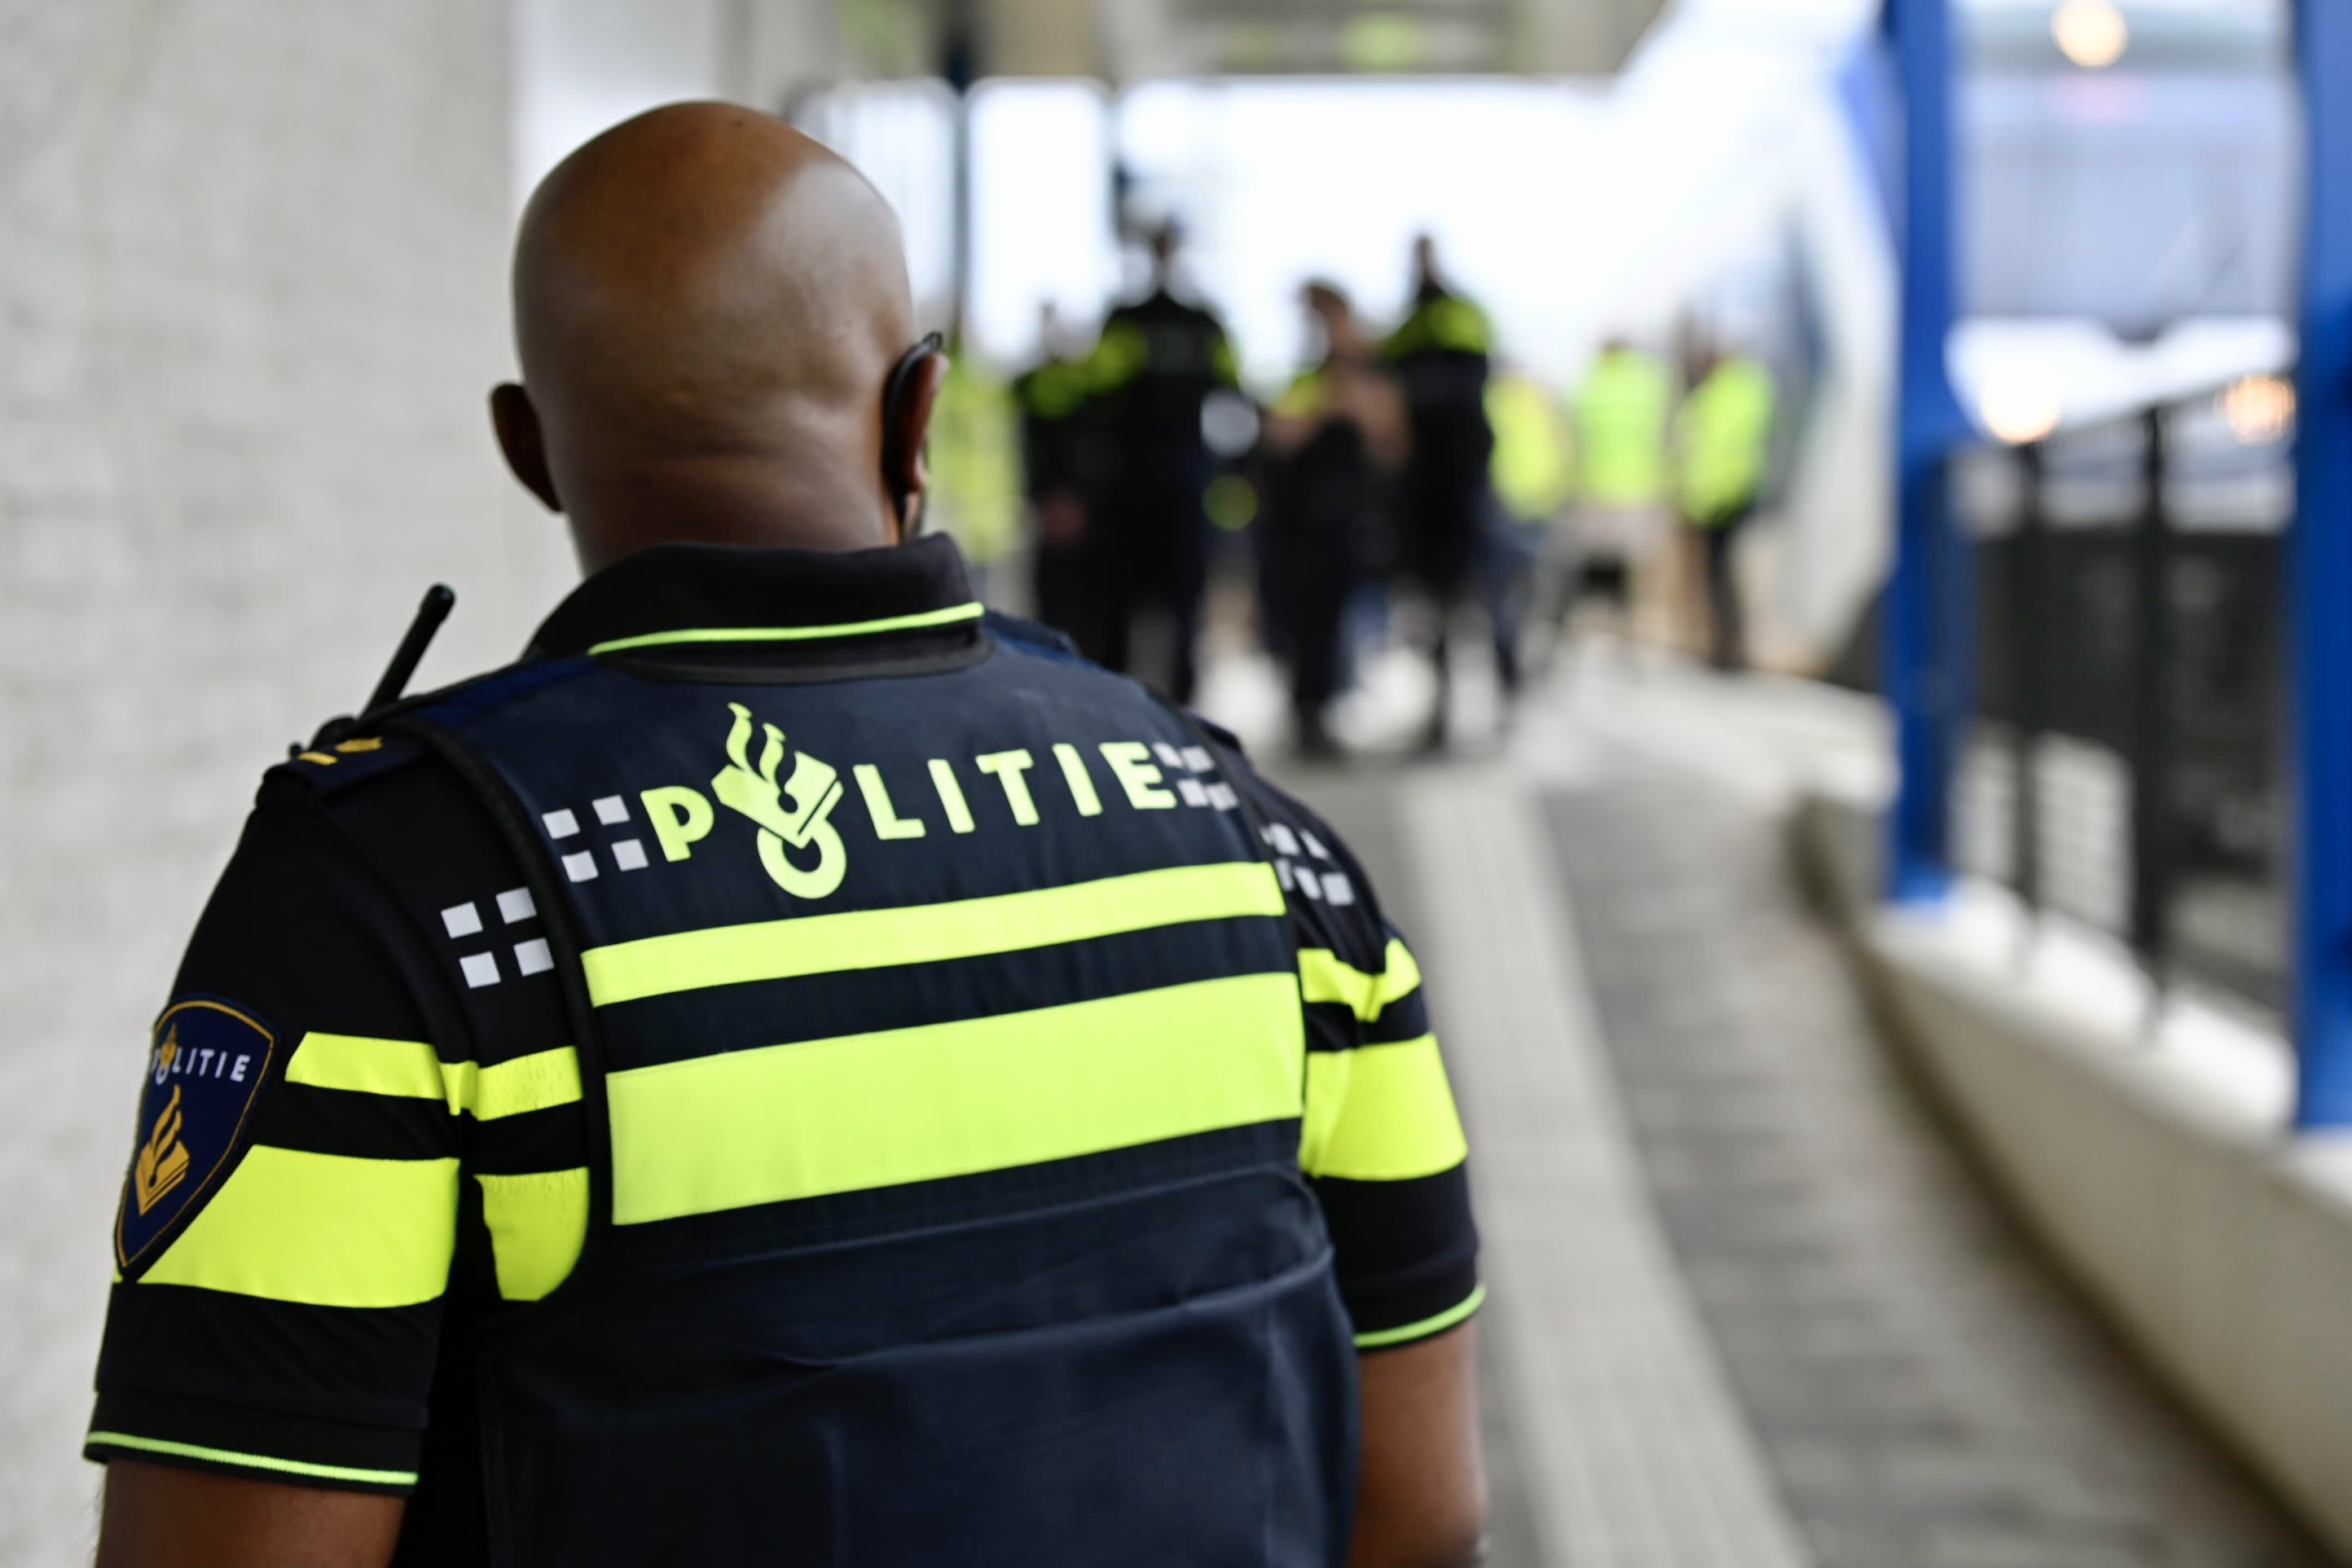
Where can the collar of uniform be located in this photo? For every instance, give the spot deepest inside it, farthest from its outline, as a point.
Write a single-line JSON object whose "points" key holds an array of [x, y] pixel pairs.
{"points": [[680, 594]]}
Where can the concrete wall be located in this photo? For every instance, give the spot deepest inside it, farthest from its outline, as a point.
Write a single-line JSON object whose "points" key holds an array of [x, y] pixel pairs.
{"points": [[2157, 1170], [251, 293], [582, 66]]}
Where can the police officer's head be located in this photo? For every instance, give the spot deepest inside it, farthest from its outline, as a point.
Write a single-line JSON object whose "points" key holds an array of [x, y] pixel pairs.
{"points": [[714, 323], [1335, 318], [1426, 278], [1163, 241], [1326, 299]]}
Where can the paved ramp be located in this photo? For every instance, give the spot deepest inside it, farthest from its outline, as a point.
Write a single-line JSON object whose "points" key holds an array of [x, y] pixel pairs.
{"points": [[1749, 1306]]}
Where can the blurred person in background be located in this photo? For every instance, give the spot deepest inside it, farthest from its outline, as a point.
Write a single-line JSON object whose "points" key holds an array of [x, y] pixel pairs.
{"points": [[1157, 363], [1723, 439], [794, 1069], [974, 456], [1530, 474], [1331, 443], [1440, 357], [1620, 413], [1056, 449]]}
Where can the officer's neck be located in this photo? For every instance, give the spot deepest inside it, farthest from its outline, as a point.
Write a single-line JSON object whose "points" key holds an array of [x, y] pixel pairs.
{"points": [[753, 503]]}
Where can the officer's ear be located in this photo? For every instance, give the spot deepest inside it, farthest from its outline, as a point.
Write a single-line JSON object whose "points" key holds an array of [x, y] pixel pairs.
{"points": [[907, 417], [517, 426]]}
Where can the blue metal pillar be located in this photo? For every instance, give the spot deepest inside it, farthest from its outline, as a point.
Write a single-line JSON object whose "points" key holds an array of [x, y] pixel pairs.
{"points": [[1927, 642], [2319, 582]]}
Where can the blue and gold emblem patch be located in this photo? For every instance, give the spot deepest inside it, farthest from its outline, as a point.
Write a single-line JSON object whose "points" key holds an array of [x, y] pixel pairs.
{"points": [[208, 1063]]}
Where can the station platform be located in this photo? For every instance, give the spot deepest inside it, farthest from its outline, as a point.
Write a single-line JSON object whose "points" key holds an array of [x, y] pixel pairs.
{"points": [[1751, 1305]]}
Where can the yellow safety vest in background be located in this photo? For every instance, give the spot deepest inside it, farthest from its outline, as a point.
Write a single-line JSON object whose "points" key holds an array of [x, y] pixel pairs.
{"points": [[1621, 411], [1530, 465], [1724, 435], [1448, 322], [1055, 390], [1304, 396], [975, 464]]}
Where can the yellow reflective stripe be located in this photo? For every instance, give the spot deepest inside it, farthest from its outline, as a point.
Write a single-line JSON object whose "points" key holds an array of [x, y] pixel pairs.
{"points": [[1117, 356], [537, 1222], [411, 1069], [253, 1461], [947, 617], [531, 1082], [946, 1100], [1323, 977], [1381, 1112], [325, 1229], [407, 1068], [927, 933], [1436, 1323]]}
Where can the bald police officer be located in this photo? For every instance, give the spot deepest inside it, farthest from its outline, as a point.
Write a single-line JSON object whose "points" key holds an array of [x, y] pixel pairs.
{"points": [[794, 1070]]}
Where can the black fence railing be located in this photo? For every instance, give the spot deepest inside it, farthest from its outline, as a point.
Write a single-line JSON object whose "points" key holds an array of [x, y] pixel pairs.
{"points": [[2124, 764]]}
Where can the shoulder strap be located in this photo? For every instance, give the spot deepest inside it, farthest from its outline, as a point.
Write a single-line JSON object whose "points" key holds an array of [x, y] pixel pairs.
{"points": [[554, 908]]}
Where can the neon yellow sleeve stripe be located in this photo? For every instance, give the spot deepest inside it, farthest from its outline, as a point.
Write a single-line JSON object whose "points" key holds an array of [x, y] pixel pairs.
{"points": [[255, 1461], [537, 1222], [1436, 1324], [987, 1094], [328, 1230], [1381, 1112], [407, 1068], [1323, 977], [919, 934], [411, 1069], [947, 617]]}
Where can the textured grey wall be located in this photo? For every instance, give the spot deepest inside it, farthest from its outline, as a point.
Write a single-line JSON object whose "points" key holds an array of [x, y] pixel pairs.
{"points": [[251, 293]]}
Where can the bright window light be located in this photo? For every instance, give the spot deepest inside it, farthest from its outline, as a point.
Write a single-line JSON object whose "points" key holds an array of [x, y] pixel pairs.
{"points": [[901, 136], [1041, 215], [2018, 412], [2090, 32]]}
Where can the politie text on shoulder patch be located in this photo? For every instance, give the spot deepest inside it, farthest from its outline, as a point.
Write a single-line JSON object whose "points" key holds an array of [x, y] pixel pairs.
{"points": [[209, 1060]]}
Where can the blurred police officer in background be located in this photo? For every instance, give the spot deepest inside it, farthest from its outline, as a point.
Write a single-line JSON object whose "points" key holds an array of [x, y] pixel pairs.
{"points": [[1723, 438], [974, 450], [1331, 444], [1529, 472], [1154, 368], [1619, 413], [794, 1070], [1440, 355], [1056, 452]]}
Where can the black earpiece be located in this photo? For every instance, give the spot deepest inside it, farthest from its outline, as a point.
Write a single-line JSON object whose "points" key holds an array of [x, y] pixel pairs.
{"points": [[894, 398]]}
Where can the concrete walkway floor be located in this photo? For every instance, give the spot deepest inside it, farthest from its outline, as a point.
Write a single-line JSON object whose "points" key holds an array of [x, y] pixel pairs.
{"points": [[1748, 1305]]}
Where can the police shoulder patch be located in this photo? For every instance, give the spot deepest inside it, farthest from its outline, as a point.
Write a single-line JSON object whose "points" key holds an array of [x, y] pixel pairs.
{"points": [[205, 1071]]}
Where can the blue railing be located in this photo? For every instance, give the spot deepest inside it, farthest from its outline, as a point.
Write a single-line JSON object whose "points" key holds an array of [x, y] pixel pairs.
{"points": [[1931, 627], [2121, 759]]}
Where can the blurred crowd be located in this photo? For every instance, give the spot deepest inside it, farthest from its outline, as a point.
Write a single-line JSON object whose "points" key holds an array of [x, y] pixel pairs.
{"points": [[1412, 486]]}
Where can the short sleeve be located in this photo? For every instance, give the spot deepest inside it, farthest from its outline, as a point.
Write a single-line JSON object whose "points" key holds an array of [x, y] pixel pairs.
{"points": [[290, 1216], [1381, 1142]]}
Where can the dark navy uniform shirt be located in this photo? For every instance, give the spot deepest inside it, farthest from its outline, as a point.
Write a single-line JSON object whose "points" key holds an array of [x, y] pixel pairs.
{"points": [[368, 1141]]}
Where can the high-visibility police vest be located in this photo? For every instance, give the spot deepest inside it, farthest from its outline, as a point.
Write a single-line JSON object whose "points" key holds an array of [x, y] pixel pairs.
{"points": [[1157, 363], [945, 1201], [1530, 467], [1621, 411], [1724, 433], [1440, 354]]}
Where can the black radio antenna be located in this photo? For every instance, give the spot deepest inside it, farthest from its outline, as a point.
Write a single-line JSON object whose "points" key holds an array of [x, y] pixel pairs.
{"points": [[438, 602]]}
